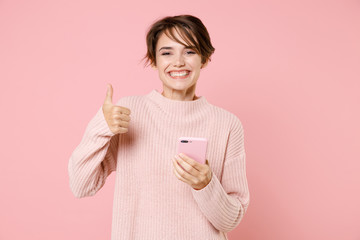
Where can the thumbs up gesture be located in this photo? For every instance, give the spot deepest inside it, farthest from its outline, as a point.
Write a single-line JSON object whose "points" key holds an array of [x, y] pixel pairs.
{"points": [[117, 117]]}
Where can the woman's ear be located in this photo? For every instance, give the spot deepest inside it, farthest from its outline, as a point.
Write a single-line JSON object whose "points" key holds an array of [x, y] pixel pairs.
{"points": [[153, 66]]}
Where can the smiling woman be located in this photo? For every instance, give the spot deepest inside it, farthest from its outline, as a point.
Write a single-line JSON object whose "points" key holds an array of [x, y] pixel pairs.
{"points": [[160, 193], [190, 29], [178, 47]]}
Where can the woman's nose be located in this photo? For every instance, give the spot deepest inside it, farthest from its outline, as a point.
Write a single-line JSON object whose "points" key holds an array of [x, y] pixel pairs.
{"points": [[179, 61]]}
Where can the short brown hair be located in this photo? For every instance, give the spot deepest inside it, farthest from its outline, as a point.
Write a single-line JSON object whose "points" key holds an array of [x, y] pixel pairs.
{"points": [[189, 27]]}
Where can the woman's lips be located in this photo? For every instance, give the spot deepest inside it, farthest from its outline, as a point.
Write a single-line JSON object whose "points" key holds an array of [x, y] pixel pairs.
{"points": [[179, 77]]}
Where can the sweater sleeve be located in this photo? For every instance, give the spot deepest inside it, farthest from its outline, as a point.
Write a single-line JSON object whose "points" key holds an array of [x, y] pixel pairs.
{"points": [[94, 158], [225, 203]]}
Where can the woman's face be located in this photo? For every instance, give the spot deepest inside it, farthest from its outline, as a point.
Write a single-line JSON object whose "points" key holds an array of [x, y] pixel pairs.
{"points": [[173, 60]]}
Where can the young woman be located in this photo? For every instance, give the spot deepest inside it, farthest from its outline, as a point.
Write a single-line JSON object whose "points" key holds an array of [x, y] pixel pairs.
{"points": [[160, 194]]}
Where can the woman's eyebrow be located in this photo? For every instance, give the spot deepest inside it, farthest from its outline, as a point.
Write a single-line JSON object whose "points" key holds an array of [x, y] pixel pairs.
{"points": [[189, 47], [165, 48]]}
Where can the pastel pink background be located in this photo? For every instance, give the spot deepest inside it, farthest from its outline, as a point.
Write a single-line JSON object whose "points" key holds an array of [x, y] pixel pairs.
{"points": [[290, 70]]}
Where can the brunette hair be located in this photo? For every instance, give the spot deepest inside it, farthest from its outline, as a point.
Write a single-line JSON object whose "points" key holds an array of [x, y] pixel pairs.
{"points": [[189, 27]]}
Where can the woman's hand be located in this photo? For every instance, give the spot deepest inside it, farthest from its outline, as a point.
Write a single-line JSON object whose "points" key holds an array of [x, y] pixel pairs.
{"points": [[188, 170], [117, 117]]}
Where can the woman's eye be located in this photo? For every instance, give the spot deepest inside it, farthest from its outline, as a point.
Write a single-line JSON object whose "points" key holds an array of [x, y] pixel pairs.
{"points": [[188, 52]]}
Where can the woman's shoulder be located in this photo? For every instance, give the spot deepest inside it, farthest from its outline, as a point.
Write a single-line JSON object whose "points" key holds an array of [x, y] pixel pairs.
{"points": [[225, 114]]}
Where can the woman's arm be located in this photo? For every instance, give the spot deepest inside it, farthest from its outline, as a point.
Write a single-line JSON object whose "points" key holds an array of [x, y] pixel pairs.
{"points": [[94, 158], [224, 204]]}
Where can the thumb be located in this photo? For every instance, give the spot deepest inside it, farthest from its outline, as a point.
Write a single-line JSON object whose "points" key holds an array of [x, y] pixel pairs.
{"points": [[109, 94]]}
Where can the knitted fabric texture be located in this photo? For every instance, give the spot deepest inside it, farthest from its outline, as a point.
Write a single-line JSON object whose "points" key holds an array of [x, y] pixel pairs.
{"points": [[150, 202]]}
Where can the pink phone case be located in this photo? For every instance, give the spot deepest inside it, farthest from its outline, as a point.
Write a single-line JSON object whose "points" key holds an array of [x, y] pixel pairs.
{"points": [[193, 147]]}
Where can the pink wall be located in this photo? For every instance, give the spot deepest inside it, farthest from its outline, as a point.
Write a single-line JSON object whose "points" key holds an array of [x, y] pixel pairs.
{"points": [[290, 70]]}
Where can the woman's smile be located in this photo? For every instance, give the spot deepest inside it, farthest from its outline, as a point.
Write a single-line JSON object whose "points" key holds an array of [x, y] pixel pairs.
{"points": [[179, 74]]}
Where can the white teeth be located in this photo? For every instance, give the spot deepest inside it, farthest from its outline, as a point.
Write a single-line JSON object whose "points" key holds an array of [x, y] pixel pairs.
{"points": [[179, 74]]}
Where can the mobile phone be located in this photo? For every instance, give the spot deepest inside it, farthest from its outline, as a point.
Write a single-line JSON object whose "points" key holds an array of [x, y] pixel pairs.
{"points": [[193, 147]]}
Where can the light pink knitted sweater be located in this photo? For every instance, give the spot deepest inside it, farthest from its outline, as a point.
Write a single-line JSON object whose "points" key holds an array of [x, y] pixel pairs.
{"points": [[150, 202]]}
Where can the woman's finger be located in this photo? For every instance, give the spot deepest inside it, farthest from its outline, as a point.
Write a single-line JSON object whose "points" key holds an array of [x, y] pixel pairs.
{"points": [[185, 175], [190, 169]]}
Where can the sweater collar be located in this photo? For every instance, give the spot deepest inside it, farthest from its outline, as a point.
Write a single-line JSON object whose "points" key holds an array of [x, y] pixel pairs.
{"points": [[177, 106]]}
